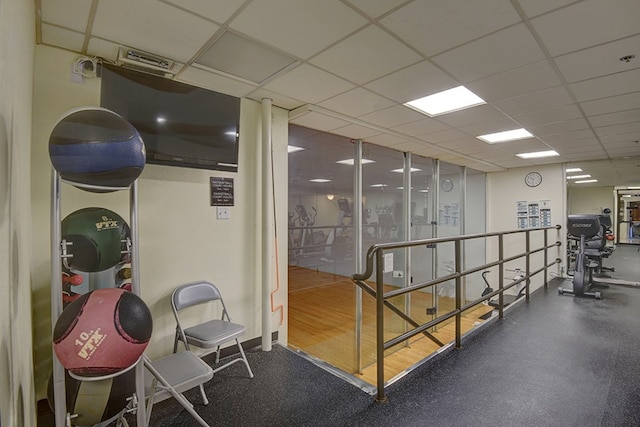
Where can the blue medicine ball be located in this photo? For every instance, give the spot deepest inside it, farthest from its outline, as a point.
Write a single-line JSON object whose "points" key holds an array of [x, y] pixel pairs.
{"points": [[96, 149]]}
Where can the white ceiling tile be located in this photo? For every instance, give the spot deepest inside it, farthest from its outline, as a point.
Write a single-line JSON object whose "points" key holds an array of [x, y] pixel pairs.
{"points": [[618, 129], [569, 136], [600, 60], [309, 84], [216, 82], [420, 127], [435, 26], [536, 7], [589, 155], [318, 121], [217, 10], [491, 126], [625, 137], [277, 99], [376, 8], [466, 146], [103, 48], [356, 102], [413, 82], [602, 87], [302, 28], [443, 136], [154, 27], [627, 101], [61, 37], [245, 58], [477, 114], [586, 144], [628, 144], [72, 14], [392, 116], [615, 118], [386, 139], [355, 131], [367, 55], [591, 22], [498, 52], [519, 81], [560, 127], [412, 146], [535, 101], [552, 115], [522, 146]]}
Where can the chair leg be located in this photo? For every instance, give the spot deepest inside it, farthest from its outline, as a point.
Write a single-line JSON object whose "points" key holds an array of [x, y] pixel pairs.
{"points": [[204, 395], [244, 357], [217, 355], [178, 396]]}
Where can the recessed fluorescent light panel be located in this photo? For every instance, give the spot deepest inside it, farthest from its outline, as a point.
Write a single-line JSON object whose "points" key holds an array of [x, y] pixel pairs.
{"points": [[579, 176], [351, 161], [293, 148], [402, 170], [320, 180], [378, 185], [446, 101], [570, 170], [507, 135], [586, 181], [538, 154]]}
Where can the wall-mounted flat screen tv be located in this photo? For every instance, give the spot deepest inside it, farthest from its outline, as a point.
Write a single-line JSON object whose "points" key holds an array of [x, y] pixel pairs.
{"points": [[181, 125]]}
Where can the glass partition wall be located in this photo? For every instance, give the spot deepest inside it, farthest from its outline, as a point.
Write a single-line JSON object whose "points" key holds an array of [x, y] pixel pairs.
{"points": [[346, 195]]}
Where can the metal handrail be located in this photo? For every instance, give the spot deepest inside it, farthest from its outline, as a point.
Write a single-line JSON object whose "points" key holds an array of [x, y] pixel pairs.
{"points": [[375, 258]]}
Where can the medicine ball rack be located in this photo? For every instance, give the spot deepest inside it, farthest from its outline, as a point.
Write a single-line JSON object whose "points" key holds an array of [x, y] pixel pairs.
{"points": [[62, 417]]}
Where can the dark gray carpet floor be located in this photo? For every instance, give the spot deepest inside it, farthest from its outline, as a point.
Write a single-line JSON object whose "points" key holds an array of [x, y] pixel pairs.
{"points": [[556, 361]]}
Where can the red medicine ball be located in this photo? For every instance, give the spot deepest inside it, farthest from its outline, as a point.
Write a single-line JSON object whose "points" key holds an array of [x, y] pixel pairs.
{"points": [[102, 332]]}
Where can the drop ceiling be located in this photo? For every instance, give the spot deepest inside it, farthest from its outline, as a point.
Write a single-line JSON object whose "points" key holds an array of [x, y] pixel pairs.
{"points": [[346, 67]]}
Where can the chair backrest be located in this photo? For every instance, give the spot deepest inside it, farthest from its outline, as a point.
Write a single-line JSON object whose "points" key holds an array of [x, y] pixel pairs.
{"points": [[193, 294]]}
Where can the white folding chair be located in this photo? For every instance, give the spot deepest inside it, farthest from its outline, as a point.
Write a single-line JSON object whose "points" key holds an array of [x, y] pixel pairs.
{"points": [[172, 375], [211, 334]]}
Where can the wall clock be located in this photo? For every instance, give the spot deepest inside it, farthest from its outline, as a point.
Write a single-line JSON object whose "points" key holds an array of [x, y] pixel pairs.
{"points": [[446, 185], [533, 179]]}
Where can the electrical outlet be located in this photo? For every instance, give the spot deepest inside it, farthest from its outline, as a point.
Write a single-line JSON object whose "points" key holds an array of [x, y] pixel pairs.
{"points": [[223, 212], [398, 273]]}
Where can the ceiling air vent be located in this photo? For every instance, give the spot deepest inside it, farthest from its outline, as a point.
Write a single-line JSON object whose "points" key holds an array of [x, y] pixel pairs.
{"points": [[145, 62]]}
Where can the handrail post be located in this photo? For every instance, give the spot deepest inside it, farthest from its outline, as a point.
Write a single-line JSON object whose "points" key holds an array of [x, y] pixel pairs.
{"points": [[501, 276], [528, 262], [458, 264], [546, 239], [380, 326]]}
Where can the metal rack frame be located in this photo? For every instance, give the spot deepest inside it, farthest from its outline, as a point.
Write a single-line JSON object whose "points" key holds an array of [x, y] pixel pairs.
{"points": [[62, 417]]}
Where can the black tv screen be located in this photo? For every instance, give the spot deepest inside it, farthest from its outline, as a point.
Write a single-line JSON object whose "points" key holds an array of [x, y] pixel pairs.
{"points": [[181, 125]]}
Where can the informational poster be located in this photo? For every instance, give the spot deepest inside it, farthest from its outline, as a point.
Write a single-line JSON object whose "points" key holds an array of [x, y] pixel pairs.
{"points": [[449, 215], [533, 214], [222, 191], [522, 214], [545, 213]]}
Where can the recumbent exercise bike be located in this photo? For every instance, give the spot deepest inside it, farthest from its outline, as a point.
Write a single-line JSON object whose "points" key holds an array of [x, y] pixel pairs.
{"points": [[587, 229]]}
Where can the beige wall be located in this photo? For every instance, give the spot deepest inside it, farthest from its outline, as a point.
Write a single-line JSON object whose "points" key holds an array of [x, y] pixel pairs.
{"points": [[590, 200], [504, 189], [17, 38], [180, 238]]}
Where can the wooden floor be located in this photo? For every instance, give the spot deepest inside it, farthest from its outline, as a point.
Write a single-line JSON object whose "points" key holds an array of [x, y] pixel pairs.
{"points": [[322, 309]]}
